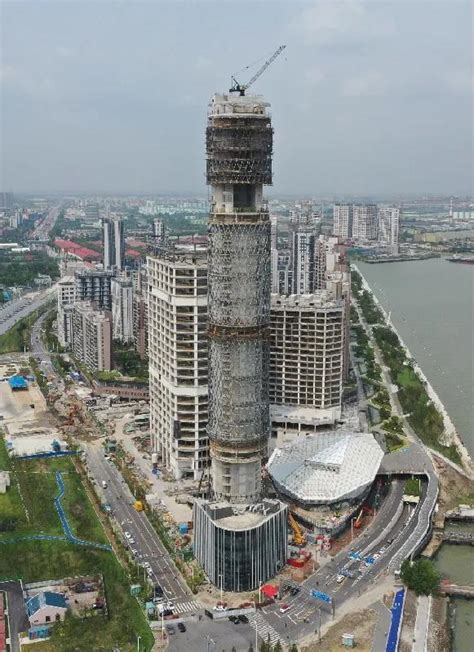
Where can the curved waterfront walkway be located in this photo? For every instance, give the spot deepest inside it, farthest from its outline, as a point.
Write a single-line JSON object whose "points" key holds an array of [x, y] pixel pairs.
{"points": [[68, 533]]}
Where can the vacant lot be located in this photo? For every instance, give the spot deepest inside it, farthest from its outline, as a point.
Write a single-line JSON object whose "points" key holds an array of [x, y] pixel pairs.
{"points": [[30, 502]]}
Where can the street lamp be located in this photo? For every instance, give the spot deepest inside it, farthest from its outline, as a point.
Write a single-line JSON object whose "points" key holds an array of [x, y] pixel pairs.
{"points": [[138, 643], [221, 577]]}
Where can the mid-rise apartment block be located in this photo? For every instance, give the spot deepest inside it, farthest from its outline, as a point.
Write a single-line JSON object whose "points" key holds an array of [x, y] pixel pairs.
{"points": [[92, 336], [94, 285], [122, 309], [66, 299], [306, 361], [178, 360]]}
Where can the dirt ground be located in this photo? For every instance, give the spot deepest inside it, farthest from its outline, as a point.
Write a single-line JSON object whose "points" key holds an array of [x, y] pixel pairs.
{"points": [[361, 624], [452, 486]]}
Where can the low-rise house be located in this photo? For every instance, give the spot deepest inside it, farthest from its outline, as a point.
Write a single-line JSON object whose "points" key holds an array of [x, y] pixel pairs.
{"points": [[46, 607]]}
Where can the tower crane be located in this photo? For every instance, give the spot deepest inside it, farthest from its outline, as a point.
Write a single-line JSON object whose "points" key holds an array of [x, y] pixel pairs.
{"points": [[241, 88]]}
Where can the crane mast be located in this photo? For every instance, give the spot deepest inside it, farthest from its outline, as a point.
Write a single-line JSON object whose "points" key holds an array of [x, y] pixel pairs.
{"points": [[241, 88]]}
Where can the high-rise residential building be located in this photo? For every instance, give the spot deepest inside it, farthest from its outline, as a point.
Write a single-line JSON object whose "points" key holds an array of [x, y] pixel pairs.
{"points": [[302, 240], [122, 309], [140, 313], [94, 285], [92, 336], [364, 222], [66, 299], [178, 360], [159, 232], [306, 361], [6, 200], [342, 220], [389, 226], [240, 537], [114, 242]]}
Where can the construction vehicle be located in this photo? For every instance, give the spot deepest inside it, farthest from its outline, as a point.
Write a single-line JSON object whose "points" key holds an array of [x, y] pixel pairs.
{"points": [[139, 506], [241, 88], [299, 538]]}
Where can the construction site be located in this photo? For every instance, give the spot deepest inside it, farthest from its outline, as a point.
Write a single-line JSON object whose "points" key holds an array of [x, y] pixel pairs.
{"points": [[240, 539]]}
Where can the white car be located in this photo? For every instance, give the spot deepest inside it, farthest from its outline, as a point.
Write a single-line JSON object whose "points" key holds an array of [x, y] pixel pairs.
{"points": [[128, 535], [146, 564], [149, 572], [134, 553], [340, 579], [131, 541]]}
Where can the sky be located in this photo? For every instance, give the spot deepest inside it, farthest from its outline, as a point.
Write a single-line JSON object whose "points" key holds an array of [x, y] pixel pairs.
{"points": [[108, 96]]}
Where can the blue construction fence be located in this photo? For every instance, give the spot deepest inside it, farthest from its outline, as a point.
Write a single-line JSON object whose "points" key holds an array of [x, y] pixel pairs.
{"points": [[46, 455], [396, 624], [68, 533]]}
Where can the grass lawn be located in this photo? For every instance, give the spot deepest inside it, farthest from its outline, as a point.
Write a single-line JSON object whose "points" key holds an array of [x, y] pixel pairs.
{"points": [[42, 560]]}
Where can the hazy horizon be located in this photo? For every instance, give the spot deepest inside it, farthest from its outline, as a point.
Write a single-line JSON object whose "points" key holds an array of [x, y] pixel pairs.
{"points": [[368, 99]]}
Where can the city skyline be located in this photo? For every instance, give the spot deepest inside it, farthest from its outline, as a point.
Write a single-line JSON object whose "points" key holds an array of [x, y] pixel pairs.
{"points": [[380, 94]]}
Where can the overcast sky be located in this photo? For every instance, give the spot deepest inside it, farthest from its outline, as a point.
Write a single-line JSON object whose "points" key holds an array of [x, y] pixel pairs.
{"points": [[368, 97]]}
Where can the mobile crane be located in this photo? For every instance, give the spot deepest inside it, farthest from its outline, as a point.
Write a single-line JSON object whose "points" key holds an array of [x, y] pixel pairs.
{"points": [[299, 538]]}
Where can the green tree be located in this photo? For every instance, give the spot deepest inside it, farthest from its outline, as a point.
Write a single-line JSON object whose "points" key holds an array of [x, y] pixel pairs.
{"points": [[421, 576], [293, 648], [277, 647]]}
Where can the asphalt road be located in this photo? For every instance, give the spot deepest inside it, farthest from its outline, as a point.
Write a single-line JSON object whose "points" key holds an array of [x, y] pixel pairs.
{"points": [[17, 618], [16, 310], [41, 232], [291, 626], [147, 542]]}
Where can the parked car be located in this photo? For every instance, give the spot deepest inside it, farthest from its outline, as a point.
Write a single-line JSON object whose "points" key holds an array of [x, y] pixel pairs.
{"points": [[294, 590], [181, 627], [340, 579], [243, 618], [284, 608], [170, 629]]}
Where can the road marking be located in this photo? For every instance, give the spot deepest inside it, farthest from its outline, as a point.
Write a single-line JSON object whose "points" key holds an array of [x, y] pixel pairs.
{"points": [[263, 628]]}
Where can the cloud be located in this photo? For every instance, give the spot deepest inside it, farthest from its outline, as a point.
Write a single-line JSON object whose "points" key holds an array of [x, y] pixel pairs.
{"points": [[370, 83], [341, 21]]}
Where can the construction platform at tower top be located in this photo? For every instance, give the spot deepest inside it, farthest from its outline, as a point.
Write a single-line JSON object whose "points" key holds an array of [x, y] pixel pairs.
{"points": [[241, 540]]}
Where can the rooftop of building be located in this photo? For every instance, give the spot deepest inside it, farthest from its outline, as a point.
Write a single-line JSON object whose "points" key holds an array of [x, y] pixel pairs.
{"points": [[233, 104], [183, 256], [304, 415], [241, 516], [45, 599], [319, 299], [327, 467]]}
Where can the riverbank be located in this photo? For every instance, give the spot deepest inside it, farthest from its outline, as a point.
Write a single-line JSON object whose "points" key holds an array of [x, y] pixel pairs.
{"points": [[450, 435]]}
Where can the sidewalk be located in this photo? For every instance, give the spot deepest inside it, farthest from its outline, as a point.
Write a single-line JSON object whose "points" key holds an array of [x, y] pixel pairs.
{"points": [[420, 639]]}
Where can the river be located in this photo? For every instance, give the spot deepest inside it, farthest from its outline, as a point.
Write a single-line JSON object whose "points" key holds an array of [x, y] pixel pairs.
{"points": [[432, 306]]}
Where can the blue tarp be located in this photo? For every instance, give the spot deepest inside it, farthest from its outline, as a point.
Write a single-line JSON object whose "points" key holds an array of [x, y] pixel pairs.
{"points": [[17, 382]]}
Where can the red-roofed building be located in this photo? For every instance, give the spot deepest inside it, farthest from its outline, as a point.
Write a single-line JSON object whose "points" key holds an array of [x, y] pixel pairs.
{"points": [[77, 250]]}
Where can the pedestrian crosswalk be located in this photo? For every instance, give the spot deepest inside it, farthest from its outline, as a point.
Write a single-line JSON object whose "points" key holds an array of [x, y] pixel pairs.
{"points": [[264, 630], [185, 607]]}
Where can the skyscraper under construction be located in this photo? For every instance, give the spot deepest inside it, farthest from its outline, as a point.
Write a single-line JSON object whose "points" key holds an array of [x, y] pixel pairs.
{"points": [[240, 536]]}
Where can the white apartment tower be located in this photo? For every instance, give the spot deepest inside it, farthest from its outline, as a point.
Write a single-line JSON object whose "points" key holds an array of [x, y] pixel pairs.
{"points": [[364, 222], [342, 220], [114, 242], [122, 309], [178, 360], [92, 336], [389, 226], [66, 299]]}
